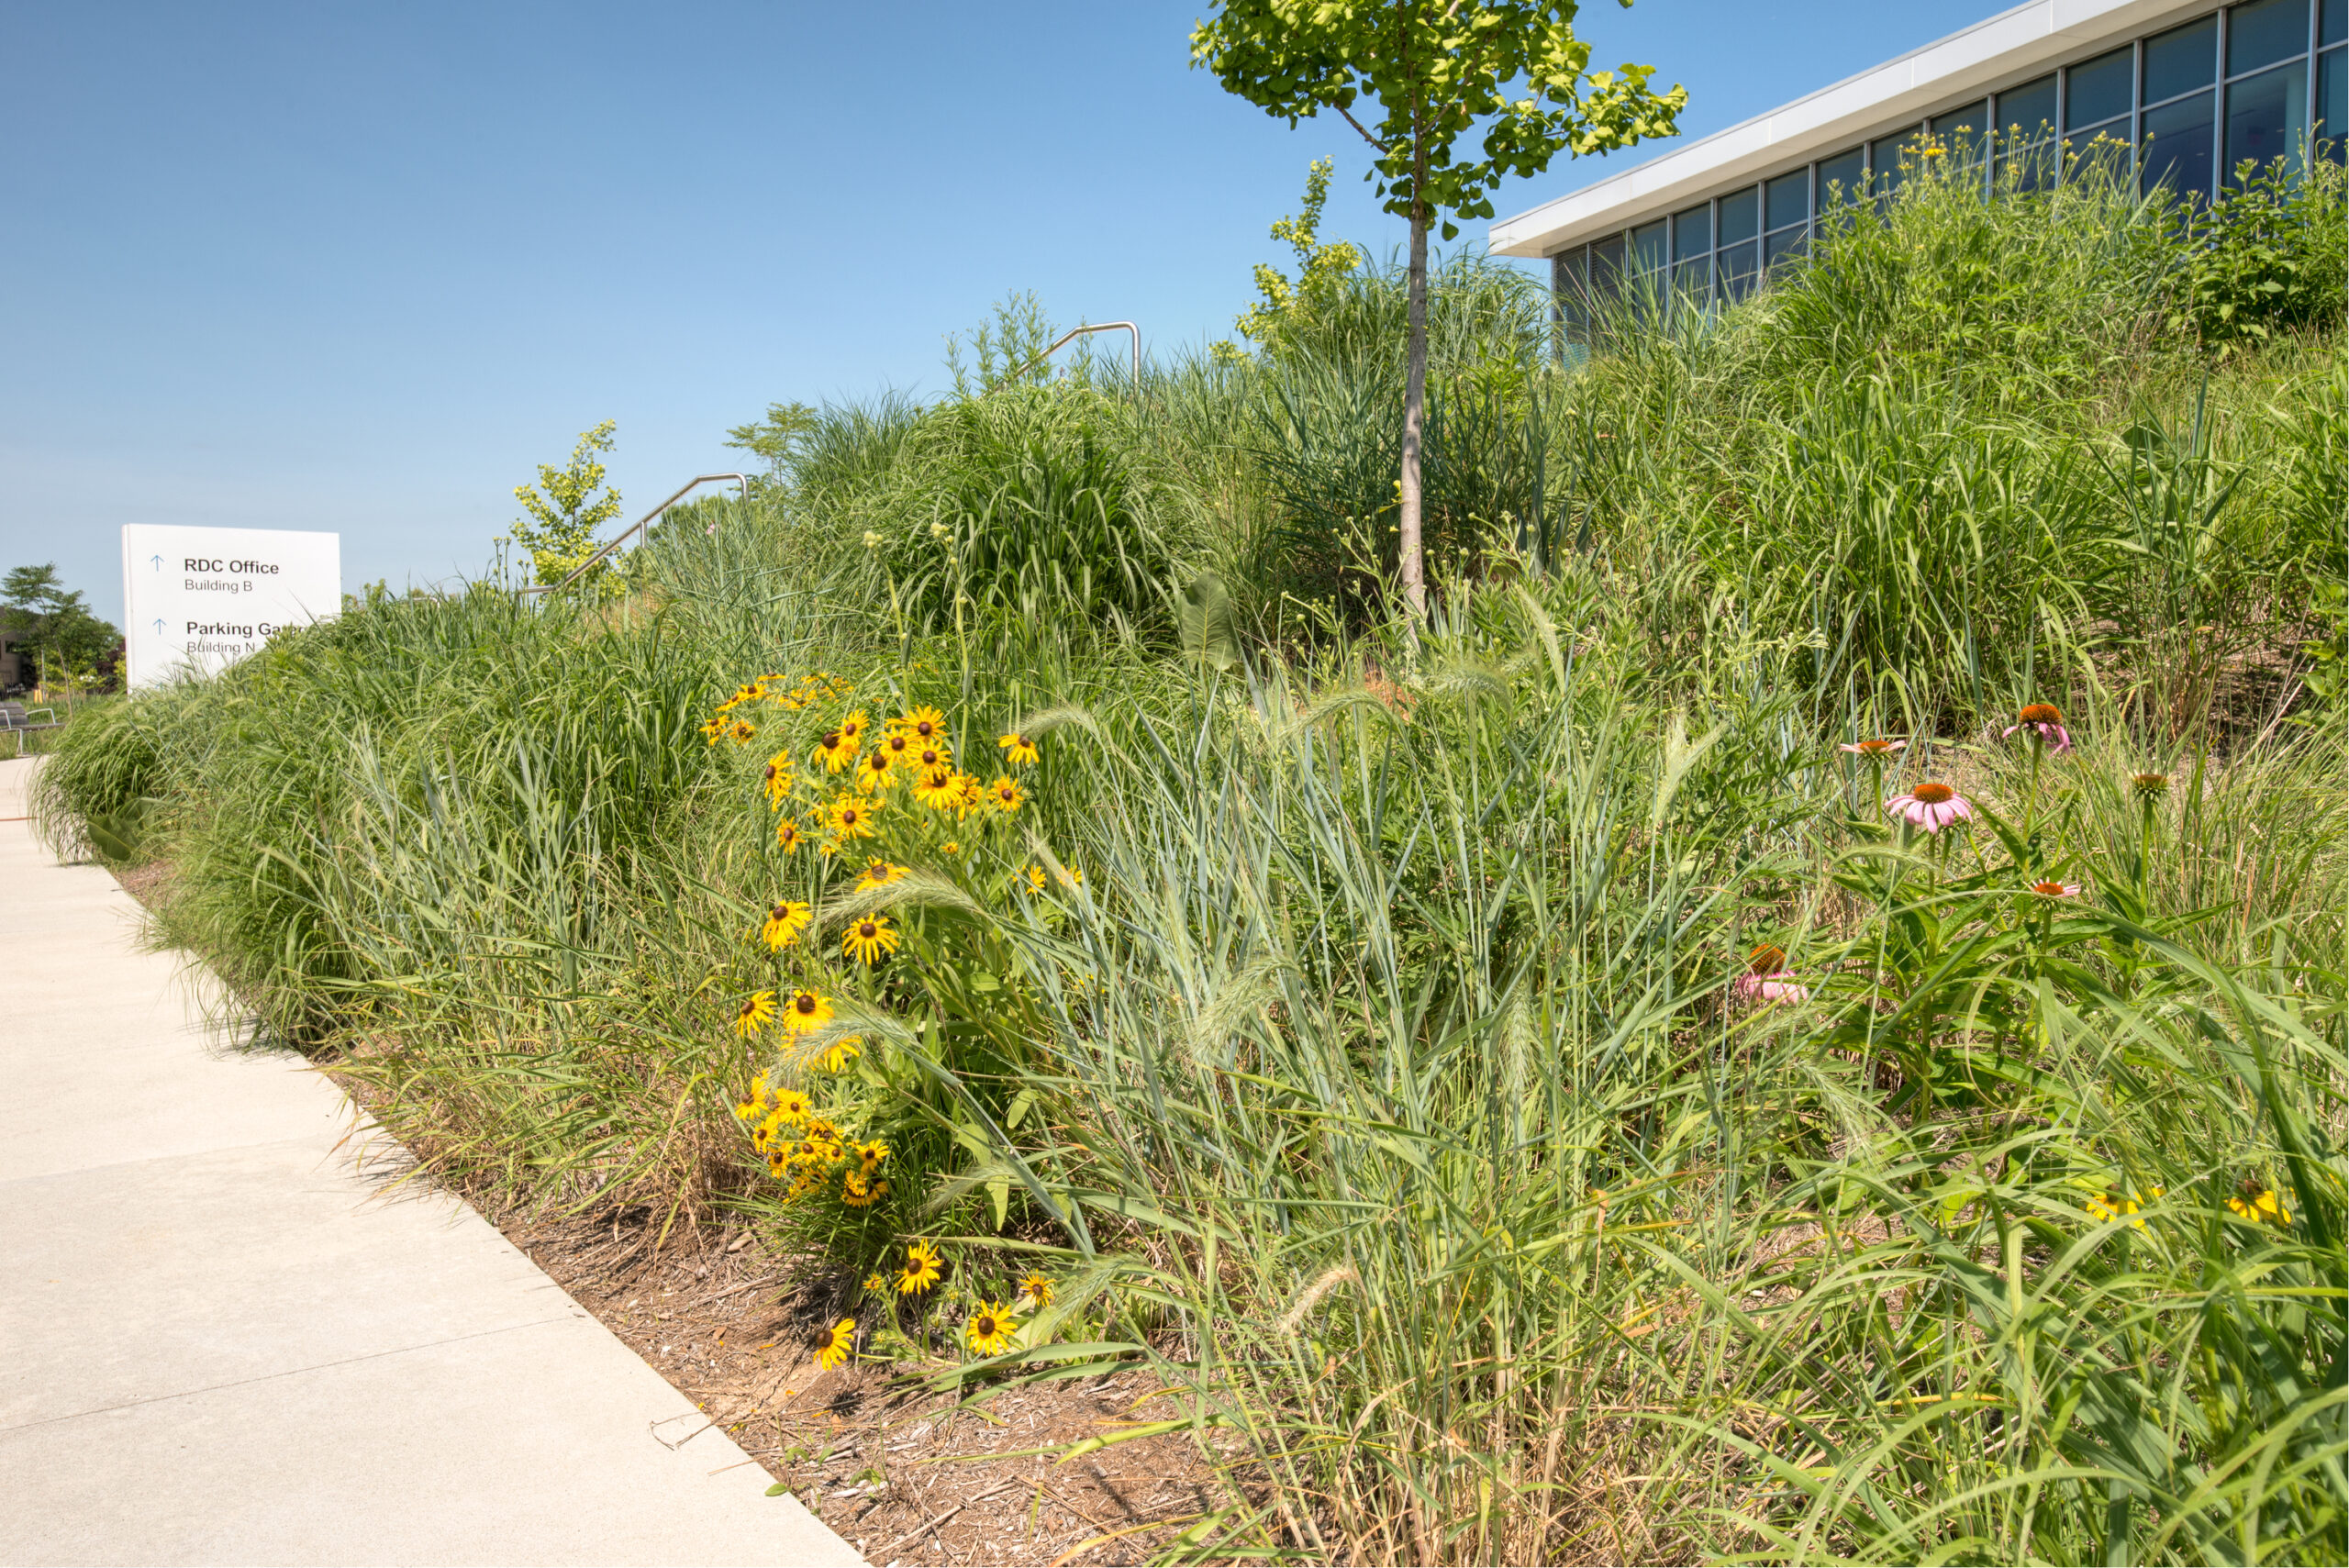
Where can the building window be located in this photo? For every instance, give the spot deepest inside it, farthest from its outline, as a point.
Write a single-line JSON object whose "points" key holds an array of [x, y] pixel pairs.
{"points": [[2268, 116], [1605, 266], [2333, 103], [2098, 97], [2182, 60], [1841, 179], [1884, 164], [1570, 299], [2026, 127], [1740, 262], [2178, 146], [2266, 32], [1648, 257], [1692, 252], [1786, 217], [2331, 109], [1965, 134]]}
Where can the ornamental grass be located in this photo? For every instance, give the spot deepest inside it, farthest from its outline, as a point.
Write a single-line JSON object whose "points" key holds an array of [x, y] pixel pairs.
{"points": [[1798, 1017]]}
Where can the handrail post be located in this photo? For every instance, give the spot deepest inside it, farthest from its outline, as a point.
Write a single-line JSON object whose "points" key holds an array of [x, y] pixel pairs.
{"points": [[640, 525], [1075, 333]]}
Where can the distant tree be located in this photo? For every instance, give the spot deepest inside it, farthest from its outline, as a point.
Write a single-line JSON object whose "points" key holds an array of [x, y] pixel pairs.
{"points": [[1433, 70], [55, 625], [566, 510], [1281, 306], [779, 440]]}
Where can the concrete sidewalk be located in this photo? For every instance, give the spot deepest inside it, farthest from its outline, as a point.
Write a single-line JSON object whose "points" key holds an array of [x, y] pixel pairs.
{"points": [[219, 1343]]}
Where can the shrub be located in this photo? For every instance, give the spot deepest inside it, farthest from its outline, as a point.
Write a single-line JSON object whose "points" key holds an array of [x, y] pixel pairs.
{"points": [[2265, 258]]}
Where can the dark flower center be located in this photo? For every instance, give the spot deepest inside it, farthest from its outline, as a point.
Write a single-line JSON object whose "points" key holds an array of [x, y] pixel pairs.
{"points": [[1766, 958], [1934, 793], [806, 1002], [831, 739], [2041, 713], [865, 929]]}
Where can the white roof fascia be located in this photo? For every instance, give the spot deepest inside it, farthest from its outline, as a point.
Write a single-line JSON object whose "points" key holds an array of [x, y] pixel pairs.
{"points": [[2008, 47]]}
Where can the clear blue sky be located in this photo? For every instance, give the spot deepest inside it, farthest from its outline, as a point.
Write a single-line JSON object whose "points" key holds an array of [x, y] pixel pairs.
{"points": [[359, 268]]}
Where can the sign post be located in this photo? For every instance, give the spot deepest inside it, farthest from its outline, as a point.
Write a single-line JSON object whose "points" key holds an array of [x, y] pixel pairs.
{"points": [[200, 599]]}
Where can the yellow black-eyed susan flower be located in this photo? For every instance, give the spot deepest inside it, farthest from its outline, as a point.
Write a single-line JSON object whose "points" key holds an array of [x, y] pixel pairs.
{"points": [[805, 1011], [1035, 879], [972, 795], [841, 1052], [1006, 796], [936, 757], [1017, 749], [1037, 1288], [923, 723], [901, 749], [786, 917], [878, 872], [989, 1328], [787, 834], [835, 751], [851, 818], [876, 1282], [778, 779], [853, 731], [938, 788], [867, 939], [870, 1154], [756, 1012], [859, 1190], [874, 773], [834, 1343], [741, 732], [714, 728], [2255, 1201], [792, 1108], [923, 1268], [2118, 1205]]}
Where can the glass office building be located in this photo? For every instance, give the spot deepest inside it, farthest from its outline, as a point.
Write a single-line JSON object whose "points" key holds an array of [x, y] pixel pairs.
{"points": [[2181, 94]]}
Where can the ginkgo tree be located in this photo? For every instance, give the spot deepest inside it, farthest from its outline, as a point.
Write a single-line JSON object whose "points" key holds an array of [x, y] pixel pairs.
{"points": [[561, 532], [1415, 78]]}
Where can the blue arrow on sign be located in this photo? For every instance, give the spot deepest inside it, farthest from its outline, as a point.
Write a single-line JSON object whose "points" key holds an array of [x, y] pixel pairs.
{"points": [[158, 560], [158, 625]]}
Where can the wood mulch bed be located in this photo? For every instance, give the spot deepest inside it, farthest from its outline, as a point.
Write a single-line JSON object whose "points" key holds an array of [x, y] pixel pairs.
{"points": [[904, 1474]]}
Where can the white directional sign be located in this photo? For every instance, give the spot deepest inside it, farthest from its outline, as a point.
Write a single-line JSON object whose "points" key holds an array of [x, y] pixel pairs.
{"points": [[202, 598]]}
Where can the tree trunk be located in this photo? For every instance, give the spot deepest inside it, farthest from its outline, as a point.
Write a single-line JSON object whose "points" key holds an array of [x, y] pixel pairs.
{"points": [[1415, 397]]}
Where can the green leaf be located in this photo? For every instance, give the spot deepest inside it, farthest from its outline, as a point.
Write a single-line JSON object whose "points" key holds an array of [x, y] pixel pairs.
{"points": [[1203, 614]]}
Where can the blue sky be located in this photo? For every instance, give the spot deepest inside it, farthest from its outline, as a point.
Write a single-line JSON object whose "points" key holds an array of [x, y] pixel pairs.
{"points": [[360, 268]]}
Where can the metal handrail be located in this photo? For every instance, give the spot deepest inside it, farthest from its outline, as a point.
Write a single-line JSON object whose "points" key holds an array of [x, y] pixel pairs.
{"points": [[1070, 337], [640, 525]]}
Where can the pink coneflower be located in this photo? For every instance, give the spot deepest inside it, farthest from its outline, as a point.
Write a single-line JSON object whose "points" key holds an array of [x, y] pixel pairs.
{"points": [[1875, 748], [1765, 981], [2046, 720], [2057, 889], [1930, 805]]}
